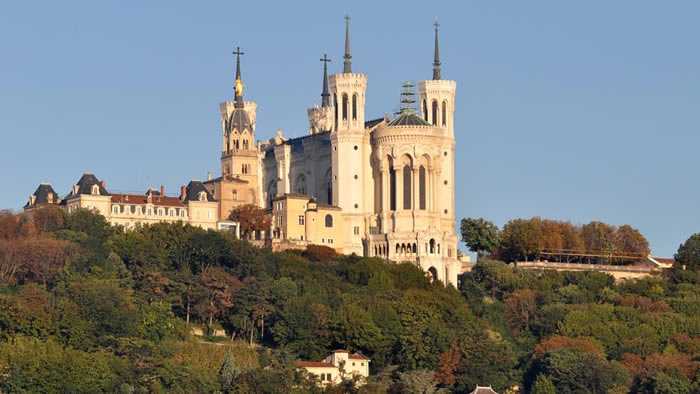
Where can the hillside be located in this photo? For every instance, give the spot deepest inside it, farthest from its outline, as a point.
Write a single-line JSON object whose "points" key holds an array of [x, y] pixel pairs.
{"points": [[88, 307]]}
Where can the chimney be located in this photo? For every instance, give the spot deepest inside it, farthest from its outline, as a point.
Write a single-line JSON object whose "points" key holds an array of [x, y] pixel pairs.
{"points": [[183, 192], [103, 183], [209, 176], [162, 190]]}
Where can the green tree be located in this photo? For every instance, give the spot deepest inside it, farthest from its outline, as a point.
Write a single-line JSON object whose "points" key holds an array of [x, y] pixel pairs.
{"points": [[480, 235], [228, 372], [573, 371], [688, 254], [542, 385]]}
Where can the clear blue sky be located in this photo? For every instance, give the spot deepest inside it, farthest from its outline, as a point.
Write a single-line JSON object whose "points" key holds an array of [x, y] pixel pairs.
{"points": [[567, 110]]}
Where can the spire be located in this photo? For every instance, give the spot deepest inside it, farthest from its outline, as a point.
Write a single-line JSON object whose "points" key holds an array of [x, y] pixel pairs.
{"points": [[239, 84], [325, 96], [436, 60], [347, 64]]}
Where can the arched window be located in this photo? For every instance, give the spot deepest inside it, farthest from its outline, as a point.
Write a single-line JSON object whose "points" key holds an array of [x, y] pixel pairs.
{"points": [[392, 189], [95, 190], [245, 144], [421, 187], [354, 107], [435, 110], [345, 106], [406, 187], [432, 246], [335, 106], [414, 248], [329, 220], [444, 113], [425, 110]]}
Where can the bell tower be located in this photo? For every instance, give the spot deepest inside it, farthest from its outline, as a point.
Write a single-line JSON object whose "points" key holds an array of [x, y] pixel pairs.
{"points": [[351, 150], [239, 152], [437, 98]]}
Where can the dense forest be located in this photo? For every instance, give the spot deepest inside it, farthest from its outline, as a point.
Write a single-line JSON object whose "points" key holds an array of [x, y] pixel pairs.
{"points": [[89, 307]]}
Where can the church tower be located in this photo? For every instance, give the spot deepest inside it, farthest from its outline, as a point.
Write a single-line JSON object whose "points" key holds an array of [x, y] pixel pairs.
{"points": [[437, 97], [350, 150], [321, 118], [239, 158]]}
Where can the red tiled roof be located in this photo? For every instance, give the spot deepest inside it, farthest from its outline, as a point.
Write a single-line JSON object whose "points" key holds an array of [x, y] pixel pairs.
{"points": [[357, 356], [664, 260], [314, 364], [143, 199]]}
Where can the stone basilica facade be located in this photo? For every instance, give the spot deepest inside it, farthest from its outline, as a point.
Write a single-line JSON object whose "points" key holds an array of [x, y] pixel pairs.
{"points": [[389, 183]]}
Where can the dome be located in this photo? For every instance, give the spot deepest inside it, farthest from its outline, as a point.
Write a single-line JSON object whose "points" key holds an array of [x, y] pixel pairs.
{"points": [[239, 120], [408, 118]]}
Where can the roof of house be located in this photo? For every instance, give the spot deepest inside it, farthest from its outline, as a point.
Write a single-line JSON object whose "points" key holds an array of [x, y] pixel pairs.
{"points": [[194, 188], [143, 199], [357, 356], [296, 196], [327, 207], [228, 178], [371, 123], [483, 390], [42, 195], [85, 184], [314, 364], [665, 260]]}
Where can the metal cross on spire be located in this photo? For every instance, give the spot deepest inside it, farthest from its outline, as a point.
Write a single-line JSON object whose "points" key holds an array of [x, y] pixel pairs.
{"points": [[436, 60], [238, 54], [325, 95], [239, 84], [347, 65]]}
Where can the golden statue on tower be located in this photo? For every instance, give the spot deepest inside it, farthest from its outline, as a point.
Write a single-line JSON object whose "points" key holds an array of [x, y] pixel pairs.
{"points": [[239, 87]]}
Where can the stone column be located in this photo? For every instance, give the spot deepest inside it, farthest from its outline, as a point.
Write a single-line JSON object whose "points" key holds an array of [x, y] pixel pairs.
{"points": [[399, 187]]}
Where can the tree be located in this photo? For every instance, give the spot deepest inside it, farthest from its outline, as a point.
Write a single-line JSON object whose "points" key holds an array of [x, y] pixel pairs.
{"points": [[480, 235], [542, 386], [251, 218], [631, 243], [521, 239], [688, 254], [449, 361], [600, 238], [48, 219], [520, 309], [44, 256], [228, 372], [573, 371]]}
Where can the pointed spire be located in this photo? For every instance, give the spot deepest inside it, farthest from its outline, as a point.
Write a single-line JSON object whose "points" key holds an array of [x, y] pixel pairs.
{"points": [[436, 60], [239, 84], [325, 96], [347, 64]]}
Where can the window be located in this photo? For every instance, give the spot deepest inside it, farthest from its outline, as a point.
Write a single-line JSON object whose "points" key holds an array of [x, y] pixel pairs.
{"points": [[444, 113], [406, 187], [245, 144], [354, 107], [95, 190], [328, 376], [435, 110], [160, 212], [150, 211], [245, 168], [279, 221], [392, 189], [235, 194], [335, 106], [353, 364], [356, 230], [301, 220], [329, 220], [425, 110], [330, 240], [209, 215], [345, 106], [115, 209], [202, 196], [421, 187]]}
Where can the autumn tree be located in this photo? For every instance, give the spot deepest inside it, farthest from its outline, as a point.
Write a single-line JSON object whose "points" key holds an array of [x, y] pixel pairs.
{"points": [[251, 218], [480, 235], [447, 366], [520, 309], [521, 239], [48, 219]]}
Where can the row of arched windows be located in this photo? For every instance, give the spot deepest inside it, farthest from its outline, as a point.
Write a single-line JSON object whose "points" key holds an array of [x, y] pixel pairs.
{"points": [[407, 174], [434, 113], [344, 108], [150, 211]]}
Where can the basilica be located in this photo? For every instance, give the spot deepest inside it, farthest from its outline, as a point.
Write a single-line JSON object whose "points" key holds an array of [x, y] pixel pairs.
{"points": [[385, 187], [380, 187]]}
